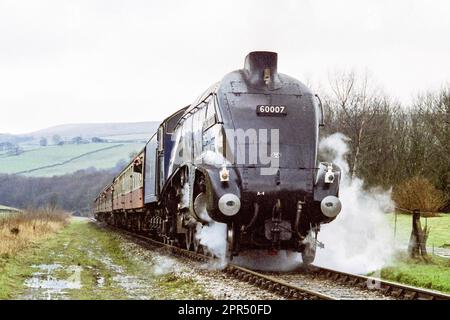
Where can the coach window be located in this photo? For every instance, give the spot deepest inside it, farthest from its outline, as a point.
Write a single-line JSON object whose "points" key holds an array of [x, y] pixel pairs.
{"points": [[130, 182]]}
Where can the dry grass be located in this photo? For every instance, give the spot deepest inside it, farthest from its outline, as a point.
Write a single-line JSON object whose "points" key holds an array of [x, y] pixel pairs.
{"points": [[419, 193], [19, 230]]}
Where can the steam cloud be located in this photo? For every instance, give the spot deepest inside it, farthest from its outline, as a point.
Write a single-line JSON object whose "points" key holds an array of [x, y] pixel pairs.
{"points": [[163, 266], [360, 239], [213, 237]]}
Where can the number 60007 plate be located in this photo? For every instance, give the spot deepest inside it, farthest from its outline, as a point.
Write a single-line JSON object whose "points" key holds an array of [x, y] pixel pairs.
{"points": [[271, 110]]}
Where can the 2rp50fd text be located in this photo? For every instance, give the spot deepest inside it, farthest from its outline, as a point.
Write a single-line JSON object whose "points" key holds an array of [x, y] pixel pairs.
{"points": [[245, 309]]}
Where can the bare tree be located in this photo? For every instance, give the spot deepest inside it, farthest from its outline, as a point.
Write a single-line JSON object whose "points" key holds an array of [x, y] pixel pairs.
{"points": [[431, 113], [356, 103]]}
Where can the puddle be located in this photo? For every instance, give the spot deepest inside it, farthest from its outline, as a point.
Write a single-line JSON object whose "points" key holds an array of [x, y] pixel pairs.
{"points": [[56, 281], [127, 282], [134, 287], [100, 282], [107, 261], [44, 284]]}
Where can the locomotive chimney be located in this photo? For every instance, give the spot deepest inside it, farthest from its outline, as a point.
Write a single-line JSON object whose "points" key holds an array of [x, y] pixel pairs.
{"points": [[261, 69]]}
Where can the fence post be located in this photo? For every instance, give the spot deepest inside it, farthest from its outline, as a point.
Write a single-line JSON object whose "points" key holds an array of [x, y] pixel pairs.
{"points": [[395, 228], [417, 245]]}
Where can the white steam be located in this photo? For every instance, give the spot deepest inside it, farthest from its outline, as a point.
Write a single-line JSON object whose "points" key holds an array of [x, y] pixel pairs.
{"points": [[261, 260], [212, 158], [213, 238], [360, 239], [163, 266], [185, 196]]}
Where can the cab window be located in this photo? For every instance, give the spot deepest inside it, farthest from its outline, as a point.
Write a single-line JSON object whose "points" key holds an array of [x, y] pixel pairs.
{"points": [[211, 117]]}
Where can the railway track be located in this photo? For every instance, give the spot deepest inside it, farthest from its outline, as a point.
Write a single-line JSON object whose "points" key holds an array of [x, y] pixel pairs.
{"points": [[387, 288], [328, 284]]}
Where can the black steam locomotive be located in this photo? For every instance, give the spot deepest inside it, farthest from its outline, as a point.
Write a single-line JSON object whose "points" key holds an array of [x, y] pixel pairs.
{"points": [[243, 154]]}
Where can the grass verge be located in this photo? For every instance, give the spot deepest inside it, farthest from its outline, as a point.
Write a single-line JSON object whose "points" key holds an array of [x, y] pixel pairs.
{"points": [[434, 274], [97, 258], [19, 230]]}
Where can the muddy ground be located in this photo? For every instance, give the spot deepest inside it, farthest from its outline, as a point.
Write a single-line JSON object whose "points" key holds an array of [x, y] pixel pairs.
{"points": [[85, 261]]}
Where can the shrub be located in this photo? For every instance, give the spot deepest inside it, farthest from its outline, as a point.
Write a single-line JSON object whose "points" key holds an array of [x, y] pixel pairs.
{"points": [[419, 193], [19, 230]]}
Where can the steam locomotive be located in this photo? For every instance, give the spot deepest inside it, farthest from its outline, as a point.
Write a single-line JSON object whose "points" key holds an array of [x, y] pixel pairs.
{"points": [[244, 154]]}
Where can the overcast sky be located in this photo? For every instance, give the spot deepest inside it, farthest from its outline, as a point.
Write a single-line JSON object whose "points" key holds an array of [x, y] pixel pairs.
{"points": [[112, 61]]}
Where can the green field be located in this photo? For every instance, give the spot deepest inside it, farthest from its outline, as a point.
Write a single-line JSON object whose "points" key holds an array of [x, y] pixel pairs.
{"points": [[24, 146], [58, 160], [439, 235], [433, 274]]}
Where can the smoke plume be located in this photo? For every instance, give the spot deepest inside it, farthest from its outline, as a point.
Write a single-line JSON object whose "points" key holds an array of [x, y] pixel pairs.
{"points": [[360, 239]]}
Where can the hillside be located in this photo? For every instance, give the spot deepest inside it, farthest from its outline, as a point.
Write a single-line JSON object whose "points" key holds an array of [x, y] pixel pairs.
{"points": [[128, 130], [58, 160], [89, 130], [23, 154]]}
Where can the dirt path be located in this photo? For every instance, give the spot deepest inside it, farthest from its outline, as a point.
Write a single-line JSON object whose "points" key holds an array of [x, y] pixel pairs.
{"points": [[85, 261]]}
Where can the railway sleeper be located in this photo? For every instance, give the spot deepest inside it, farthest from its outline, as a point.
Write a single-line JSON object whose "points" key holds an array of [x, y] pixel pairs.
{"points": [[410, 295], [397, 292]]}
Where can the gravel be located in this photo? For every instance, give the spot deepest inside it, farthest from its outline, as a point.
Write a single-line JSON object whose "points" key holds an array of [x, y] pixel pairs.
{"points": [[331, 287], [215, 282], [220, 286]]}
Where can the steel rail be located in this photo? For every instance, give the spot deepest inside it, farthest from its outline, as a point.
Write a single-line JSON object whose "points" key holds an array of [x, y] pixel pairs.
{"points": [[389, 288]]}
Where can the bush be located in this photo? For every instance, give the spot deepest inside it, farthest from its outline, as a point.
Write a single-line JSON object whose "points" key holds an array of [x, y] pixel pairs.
{"points": [[419, 193], [20, 230]]}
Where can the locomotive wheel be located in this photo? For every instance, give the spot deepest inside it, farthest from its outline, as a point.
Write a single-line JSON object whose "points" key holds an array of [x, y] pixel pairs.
{"points": [[200, 206]]}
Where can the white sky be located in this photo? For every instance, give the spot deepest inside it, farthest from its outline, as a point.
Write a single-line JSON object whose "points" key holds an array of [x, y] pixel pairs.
{"points": [[112, 61]]}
